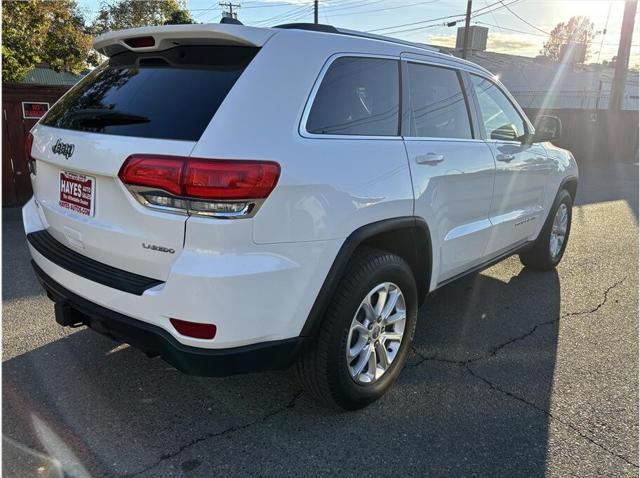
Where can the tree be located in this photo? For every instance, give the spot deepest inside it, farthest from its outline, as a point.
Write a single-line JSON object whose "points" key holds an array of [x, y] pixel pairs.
{"points": [[68, 43], [576, 30], [37, 31], [121, 14], [180, 17]]}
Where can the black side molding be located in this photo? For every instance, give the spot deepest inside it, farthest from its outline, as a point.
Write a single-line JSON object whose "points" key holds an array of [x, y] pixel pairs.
{"points": [[358, 237], [571, 184], [95, 271], [489, 263]]}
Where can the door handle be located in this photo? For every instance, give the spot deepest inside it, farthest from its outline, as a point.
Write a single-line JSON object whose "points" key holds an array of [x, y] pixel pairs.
{"points": [[506, 157], [430, 158]]}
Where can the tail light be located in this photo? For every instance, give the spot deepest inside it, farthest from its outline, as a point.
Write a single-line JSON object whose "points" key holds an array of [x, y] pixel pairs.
{"points": [[28, 144], [140, 42], [194, 329], [210, 187]]}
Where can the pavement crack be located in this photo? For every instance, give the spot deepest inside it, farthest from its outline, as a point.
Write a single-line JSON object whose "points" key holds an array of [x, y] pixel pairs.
{"points": [[424, 358], [496, 349], [210, 435], [493, 351], [600, 304], [433, 358], [562, 421]]}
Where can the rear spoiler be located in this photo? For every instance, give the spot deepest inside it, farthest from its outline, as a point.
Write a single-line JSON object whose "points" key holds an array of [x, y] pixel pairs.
{"points": [[146, 39]]}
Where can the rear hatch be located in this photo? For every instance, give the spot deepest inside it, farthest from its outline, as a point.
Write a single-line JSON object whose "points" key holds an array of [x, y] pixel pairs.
{"points": [[141, 101]]}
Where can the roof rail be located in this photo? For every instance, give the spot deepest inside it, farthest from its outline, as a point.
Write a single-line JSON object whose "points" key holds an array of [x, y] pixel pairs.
{"points": [[319, 27], [230, 21], [314, 27], [373, 36]]}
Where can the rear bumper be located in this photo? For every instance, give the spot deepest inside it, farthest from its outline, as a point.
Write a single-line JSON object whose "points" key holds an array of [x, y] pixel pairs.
{"points": [[156, 341], [253, 293]]}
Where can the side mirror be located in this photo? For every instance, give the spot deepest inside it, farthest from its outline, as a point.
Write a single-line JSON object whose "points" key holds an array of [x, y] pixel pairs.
{"points": [[506, 132], [548, 128]]}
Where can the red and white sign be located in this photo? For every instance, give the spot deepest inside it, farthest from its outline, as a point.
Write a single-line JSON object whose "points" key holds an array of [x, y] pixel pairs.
{"points": [[34, 110], [76, 192]]}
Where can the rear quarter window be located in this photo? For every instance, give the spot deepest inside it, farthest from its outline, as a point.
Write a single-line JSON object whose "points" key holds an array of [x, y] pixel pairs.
{"points": [[357, 96], [172, 94]]}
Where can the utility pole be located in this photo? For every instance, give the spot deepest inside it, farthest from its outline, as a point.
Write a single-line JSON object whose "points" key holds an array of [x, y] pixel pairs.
{"points": [[229, 13], [467, 22], [315, 11], [622, 60]]}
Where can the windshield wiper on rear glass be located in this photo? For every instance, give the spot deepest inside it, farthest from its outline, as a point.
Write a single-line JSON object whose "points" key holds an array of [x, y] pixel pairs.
{"points": [[96, 117]]}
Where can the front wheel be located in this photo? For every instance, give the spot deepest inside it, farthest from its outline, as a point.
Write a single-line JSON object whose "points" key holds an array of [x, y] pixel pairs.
{"points": [[366, 334], [549, 248]]}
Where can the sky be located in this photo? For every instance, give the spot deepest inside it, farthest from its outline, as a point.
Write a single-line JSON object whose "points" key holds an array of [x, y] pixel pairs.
{"points": [[519, 28]]}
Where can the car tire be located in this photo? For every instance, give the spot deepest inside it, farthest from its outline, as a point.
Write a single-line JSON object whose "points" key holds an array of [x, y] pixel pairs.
{"points": [[325, 369], [548, 249]]}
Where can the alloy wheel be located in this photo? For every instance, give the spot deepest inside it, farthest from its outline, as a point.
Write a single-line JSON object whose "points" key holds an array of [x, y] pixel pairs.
{"points": [[376, 333], [559, 230]]}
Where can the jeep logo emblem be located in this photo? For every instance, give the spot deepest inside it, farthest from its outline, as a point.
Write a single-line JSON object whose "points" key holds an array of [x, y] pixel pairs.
{"points": [[65, 149]]}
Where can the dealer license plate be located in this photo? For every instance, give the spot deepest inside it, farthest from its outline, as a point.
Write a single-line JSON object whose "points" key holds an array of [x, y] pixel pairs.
{"points": [[77, 192]]}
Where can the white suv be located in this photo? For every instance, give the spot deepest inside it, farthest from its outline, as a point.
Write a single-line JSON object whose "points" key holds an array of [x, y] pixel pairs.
{"points": [[240, 199]]}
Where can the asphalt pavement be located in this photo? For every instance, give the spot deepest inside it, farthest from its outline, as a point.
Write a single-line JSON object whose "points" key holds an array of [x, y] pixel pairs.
{"points": [[513, 373]]}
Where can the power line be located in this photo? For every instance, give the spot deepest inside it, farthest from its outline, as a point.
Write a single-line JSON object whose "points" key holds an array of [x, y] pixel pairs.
{"points": [[352, 4], [474, 13], [381, 9], [549, 33], [510, 29], [275, 18], [522, 19], [414, 23], [479, 12], [478, 22], [408, 30], [493, 16], [302, 16], [289, 15], [268, 6], [202, 14]]}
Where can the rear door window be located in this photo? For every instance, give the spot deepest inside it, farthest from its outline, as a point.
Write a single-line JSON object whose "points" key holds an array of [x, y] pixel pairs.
{"points": [[358, 96], [438, 105], [172, 94]]}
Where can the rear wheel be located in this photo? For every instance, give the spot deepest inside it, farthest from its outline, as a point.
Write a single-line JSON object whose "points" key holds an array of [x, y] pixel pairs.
{"points": [[366, 334], [549, 248]]}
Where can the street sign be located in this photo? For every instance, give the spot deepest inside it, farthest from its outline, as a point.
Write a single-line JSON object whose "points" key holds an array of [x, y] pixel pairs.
{"points": [[34, 110]]}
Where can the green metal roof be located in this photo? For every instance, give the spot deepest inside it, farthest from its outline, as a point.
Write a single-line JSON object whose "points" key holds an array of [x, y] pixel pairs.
{"points": [[46, 76]]}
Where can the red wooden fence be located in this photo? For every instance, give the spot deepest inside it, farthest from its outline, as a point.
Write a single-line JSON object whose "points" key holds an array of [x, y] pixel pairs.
{"points": [[16, 186]]}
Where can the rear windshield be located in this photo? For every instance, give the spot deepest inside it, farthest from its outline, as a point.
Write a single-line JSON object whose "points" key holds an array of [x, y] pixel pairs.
{"points": [[171, 94]]}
